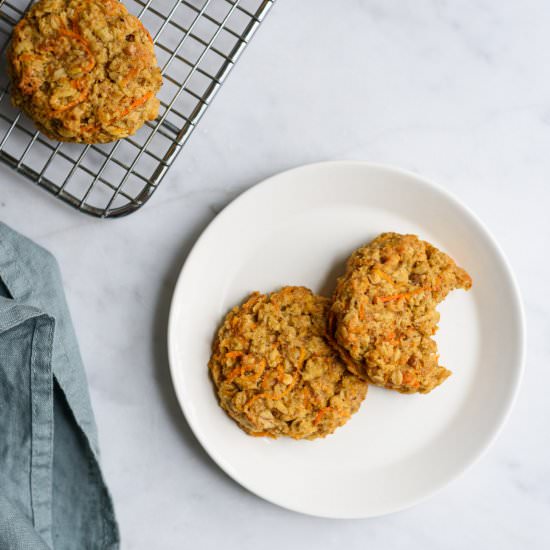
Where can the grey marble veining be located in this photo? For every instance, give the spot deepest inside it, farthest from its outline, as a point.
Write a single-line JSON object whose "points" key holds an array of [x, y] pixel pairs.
{"points": [[456, 90]]}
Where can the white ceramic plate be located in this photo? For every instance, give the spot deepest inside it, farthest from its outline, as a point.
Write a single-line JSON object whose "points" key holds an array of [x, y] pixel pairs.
{"points": [[297, 228]]}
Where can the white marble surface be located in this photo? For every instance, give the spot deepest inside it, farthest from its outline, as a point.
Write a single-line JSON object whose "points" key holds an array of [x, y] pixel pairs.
{"points": [[456, 90]]}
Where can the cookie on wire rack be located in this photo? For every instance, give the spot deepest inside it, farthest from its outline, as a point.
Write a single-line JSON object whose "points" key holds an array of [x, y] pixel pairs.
{"points": [[84, 70]]}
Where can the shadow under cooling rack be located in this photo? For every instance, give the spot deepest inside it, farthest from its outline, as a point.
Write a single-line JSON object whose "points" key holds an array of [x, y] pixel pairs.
{"points": [[197, 42]]}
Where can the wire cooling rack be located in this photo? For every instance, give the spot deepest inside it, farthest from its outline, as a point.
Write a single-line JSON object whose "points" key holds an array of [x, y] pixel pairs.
{"points": [[197, 43]]}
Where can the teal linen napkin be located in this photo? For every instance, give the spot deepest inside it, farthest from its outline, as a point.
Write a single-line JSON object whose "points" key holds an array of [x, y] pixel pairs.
{"points": [[52, 493]]}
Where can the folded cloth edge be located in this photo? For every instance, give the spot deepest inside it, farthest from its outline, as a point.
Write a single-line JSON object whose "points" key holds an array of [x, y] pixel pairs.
{"points": [[71, 380]]}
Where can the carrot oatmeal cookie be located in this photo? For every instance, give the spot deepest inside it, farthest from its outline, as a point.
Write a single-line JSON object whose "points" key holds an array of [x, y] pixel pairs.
{"points": [[383, 314], [84, 70], [276, 374]]}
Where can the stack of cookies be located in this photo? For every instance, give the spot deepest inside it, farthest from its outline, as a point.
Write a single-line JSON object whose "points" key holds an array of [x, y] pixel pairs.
{"points": [[295, 364]]}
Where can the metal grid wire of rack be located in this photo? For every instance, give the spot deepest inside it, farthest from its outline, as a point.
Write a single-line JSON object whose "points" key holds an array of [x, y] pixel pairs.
{"points": [[197, 43]]}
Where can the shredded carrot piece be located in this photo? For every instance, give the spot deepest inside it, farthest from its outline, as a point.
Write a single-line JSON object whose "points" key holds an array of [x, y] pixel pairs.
{"points": [[245, 368], [71, 104], [84, 44], [409, 378], [91, 128], [286, 391], [135, 104], [302, 358], [385, 276], [278, 375], [295, 379], [253, 399], [233, 354], [361, 312], [131, 74], [237, 371], [74, 103], [261, 434], [394, 297], [320, 415], [29, 56]]}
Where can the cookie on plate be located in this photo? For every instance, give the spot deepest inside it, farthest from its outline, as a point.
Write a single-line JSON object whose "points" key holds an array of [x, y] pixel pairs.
{"points": [[383, 314], [275, 372], [84, 70]]}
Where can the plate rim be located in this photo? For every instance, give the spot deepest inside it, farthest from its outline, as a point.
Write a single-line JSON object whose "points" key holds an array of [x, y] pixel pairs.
{"points": [[431, 186]]}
